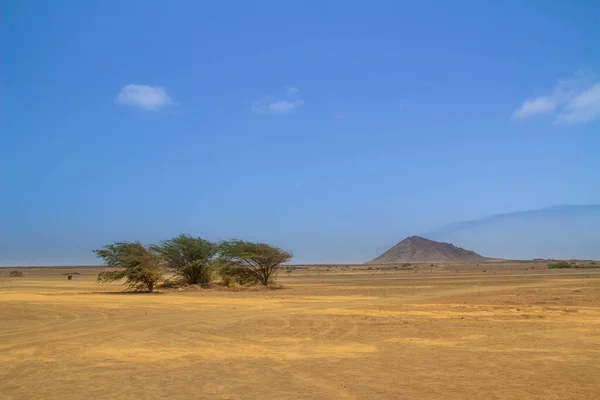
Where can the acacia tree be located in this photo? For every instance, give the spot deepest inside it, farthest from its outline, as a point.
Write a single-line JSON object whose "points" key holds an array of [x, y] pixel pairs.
{"points": [[253, 262], [192, 259], [140, 267]]}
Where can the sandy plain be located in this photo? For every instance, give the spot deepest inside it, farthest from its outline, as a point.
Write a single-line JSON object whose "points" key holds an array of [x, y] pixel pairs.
{"points": [[501, 331]]}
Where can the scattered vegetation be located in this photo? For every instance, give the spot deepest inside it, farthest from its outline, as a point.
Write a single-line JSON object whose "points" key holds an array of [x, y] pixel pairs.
{"points": [[193, 262], [560, 264], [289, 269], [566, 264], [15, 274], [142, 268]]}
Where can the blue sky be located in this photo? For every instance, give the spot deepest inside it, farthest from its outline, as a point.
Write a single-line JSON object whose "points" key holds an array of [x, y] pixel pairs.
{"points": [[331, 128]]}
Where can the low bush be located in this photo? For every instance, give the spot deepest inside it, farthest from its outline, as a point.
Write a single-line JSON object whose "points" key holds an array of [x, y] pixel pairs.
{"points": [[289, 269], [171, 284], [231, 275], [15, 274], [227, 279], [560, 265]]}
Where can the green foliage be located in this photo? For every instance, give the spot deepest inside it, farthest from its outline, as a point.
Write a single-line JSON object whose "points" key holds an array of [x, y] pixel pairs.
{"points": [[560, 264], [141, 268], [228, 277], [191, 259], [231, 273], [15, 274], [251, 262]]}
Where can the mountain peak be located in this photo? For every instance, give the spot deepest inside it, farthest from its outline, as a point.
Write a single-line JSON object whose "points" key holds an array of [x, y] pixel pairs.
{"points": [[416, 239], [420, 249]]}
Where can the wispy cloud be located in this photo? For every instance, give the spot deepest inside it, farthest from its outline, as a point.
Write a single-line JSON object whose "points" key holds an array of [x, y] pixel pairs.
{"points": [[572, 101], [284, 105], [289, 103], [148, 98], [582, 108], [539, 105]]}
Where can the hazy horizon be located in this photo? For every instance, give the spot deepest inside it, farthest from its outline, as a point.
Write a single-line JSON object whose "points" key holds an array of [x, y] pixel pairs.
{"points": [[550, 233]]}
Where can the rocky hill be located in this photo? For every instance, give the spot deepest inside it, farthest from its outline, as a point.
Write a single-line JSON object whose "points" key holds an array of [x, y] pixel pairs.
{"points": [[419, 249]]}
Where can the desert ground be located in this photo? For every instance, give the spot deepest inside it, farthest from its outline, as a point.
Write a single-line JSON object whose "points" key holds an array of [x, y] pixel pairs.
{"points": [[497, 331]]}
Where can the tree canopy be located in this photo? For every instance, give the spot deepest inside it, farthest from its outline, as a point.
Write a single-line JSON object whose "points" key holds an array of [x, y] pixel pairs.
{"points": [[254, 262], [190, 258], [140, 267], [193, 260]]}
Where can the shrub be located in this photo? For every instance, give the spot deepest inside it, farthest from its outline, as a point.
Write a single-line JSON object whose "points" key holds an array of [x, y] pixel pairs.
{"points": [[171, 284], [15, 274], [227, 280], [231, 274], [560, 264]]}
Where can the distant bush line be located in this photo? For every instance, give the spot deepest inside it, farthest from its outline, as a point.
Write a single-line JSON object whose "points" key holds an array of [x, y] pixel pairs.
{"points": [[566, 264], [15, 274], [191, 261]]}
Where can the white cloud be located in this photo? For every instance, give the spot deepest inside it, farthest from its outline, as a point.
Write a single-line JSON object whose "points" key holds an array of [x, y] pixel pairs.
{"points": [[149, 98], [539, 105], [282, 106], [582, 108], [572, 101]]}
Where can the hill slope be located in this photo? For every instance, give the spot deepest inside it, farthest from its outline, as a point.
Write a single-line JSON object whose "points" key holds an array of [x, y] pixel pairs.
{"points": [[419, 249]]}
